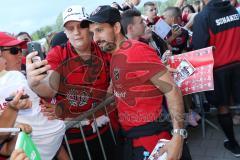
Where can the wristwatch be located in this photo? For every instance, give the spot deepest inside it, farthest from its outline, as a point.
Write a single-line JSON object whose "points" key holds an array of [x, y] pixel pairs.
{"points": [[181, 132]]}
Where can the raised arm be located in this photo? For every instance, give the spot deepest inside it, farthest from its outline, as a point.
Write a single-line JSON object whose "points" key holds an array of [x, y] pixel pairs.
{"points": [[45, 85]]}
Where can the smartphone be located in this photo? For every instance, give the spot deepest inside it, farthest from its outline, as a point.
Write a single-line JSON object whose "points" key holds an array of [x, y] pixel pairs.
{"points": [[35, 46], [8, 99], [176, 27]]}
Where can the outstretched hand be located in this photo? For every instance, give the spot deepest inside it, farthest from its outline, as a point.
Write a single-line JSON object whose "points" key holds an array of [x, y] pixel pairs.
{"points": [[173, 148], [17, 103], [35, 70], [24, 127], [48, 110]]}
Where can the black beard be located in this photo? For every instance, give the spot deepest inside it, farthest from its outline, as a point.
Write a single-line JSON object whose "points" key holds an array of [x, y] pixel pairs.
{"points": [[110, 46]]}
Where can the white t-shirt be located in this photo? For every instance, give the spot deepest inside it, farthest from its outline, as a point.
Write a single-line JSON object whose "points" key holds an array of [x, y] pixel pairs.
{"points": [[42, 128]]}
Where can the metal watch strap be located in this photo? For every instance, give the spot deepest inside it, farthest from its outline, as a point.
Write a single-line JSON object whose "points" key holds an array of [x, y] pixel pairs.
{"points": [[181, 132]]}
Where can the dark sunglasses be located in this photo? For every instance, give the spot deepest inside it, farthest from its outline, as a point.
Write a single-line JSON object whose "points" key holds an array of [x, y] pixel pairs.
{"points": [[13, 50], [154, 9]]}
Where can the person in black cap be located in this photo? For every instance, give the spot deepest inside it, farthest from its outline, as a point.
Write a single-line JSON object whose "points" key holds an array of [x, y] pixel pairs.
{"points": [[81, 81], [58, 39], [139, 80]]}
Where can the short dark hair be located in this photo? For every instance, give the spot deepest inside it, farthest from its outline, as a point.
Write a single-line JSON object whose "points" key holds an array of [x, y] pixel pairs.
{"points": [[127, 18], [22, 33], [197, 2], [148, 4], [190, 7], [174, 12]]}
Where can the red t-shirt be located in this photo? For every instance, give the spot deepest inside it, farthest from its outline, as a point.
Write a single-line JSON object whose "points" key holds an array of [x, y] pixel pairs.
{"points": [[179, 43], [138, 100], [82, 83], [155, 20], [184, 19]]}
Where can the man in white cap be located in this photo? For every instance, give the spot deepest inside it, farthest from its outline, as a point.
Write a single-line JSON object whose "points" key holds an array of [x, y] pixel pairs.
{"points": [[80, 83]]}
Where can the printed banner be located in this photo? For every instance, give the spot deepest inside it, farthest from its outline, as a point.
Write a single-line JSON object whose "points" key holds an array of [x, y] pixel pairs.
{"points": [[25, 142], [199, 64]]}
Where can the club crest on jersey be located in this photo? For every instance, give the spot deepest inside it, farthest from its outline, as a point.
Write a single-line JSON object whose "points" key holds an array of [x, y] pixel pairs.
{"points": [[116, 73], [77, 99]]}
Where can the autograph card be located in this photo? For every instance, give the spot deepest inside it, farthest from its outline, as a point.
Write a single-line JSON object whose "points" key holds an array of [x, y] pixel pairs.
{"points": [[184, 70], [155, 155]]}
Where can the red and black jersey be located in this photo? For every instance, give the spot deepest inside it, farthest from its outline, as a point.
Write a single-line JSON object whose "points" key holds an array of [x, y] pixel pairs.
{"points": [[218, 25], [132, 67], [82, 83], [155, 20], [138, 100], [179, 43]]}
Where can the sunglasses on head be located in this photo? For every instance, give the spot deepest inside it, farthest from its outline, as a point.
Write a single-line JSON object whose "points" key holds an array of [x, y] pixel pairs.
{"points": [[13, 50]]}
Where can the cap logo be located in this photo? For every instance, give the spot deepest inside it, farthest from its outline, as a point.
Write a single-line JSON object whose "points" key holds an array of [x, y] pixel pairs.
{"points": [[96, 10], [70, 10]]}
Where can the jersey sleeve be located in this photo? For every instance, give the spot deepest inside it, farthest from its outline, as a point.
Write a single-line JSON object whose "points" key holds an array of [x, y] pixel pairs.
{"points": [[53, 57], [148, 61], [201, 35]]}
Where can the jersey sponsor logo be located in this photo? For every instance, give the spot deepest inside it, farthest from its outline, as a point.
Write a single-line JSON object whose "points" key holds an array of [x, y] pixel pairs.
{"points": [[127, 88], [77, 99], [227, 19], [120, 94], [116, 73]]}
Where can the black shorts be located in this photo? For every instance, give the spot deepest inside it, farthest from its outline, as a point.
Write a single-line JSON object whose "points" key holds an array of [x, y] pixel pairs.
{"points": [[226, 86]]}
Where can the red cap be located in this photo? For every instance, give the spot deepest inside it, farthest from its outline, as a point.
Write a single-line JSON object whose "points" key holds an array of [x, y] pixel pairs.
{"points": [[8, 41]]}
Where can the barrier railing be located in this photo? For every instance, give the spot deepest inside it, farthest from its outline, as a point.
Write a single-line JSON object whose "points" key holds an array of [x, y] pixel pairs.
{"points": [[91, 113]]}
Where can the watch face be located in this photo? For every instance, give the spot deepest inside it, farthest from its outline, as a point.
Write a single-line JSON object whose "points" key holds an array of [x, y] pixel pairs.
{"points": [[181, 132]]}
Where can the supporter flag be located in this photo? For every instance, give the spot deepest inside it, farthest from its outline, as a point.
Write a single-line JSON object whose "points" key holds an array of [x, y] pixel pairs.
{"points": [[202, 77], [25, 143]]}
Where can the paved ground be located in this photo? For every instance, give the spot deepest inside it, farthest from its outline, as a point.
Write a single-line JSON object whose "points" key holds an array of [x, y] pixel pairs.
{"points": [[210, 147]]}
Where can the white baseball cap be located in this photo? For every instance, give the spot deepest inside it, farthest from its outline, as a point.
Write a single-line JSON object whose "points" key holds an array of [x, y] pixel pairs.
{"points": [[74, 13]]}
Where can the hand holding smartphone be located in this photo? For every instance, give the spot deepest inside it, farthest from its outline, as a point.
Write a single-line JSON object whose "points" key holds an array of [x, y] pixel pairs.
{"points": [[176, 27], [176, 30], [35, 46]]}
